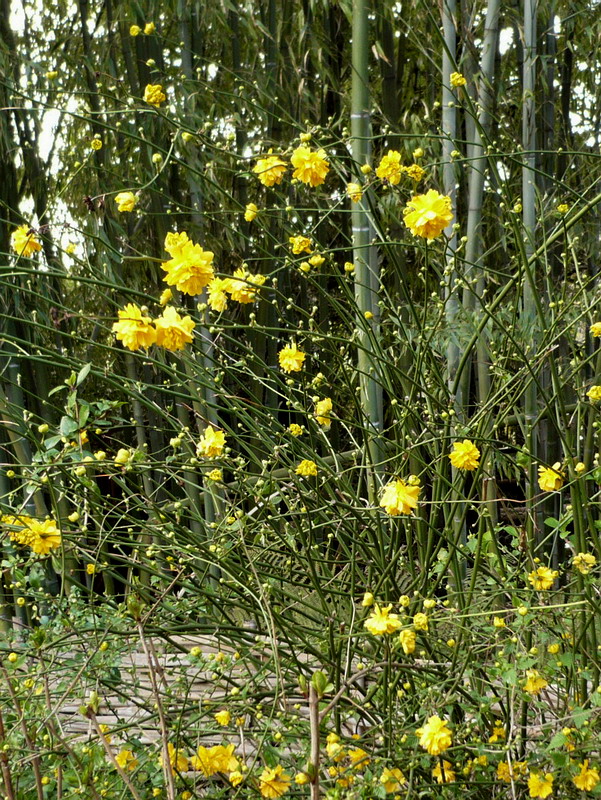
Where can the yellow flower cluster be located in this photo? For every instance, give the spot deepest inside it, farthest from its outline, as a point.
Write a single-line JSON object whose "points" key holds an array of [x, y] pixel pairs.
{"points": [[190, 268], [134, 329]]}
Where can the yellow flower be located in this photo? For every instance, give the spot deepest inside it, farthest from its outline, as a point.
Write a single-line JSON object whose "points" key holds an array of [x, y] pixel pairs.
{"points": [[399, 498], [291, 358], [579, 467], [316, 260], [44, 536], [91, 569], [175, 242], [215, 475], [295, 430], [243, 286], [427, 215], [300, 244], [52, 74], [418, 153], [415, 172], [274, 782], [349, 266], [553, 648], [587, 779], [382, 622], [322, 412], [270, 170], [542, 578], [392, 780], [126, 760], [354, 191], [70, 248], [389, 168], [250, 212], [306, 468], [368, 600], [435, 736], [594, 393], [218, 758], [23, 241], [96, 143], [507, 774], [407, 640], [123, 457], [190, 269], [309, 167], [465, 455], [498, 733], [149, 28], [126, 201], [535, 683], [177, 760], [584, 562], [563, 208], [420, 622], [358, 758], [211, 443], [540, 785], [595, 329], [173, 332], [134, 328], [154, 95], [166, 296], [223, 717], [135, 30], [498, 622], [301, 778], [448, 776], [457, 79], [216, 295], [550, 479], [236, 777]]}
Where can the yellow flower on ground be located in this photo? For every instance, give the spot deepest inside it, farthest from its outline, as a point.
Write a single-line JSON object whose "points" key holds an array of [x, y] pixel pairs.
{"points": [[457, 79], [291, 358], [448, 776], [542, 578], [306, 468], [300, 244], [389, 168], [23, 241], [223, 717], [382, 622], [310, 167], [435, 736], [154, 94], [270, 170], [595, 329], [295, 430], [420, 622], [392, 780], [191, 268], [550, 479], [166, 296], [134, 329], [534, 683], [540, 785], [44, 536], [399, 498], [274, 782], [250, 212], [177, 760], [587, 779], [407, 639], [211, 443], [354, 191], [584, 562], [149, 28], [594, 394], [135, 30], [217, 293], [243, 287], [322, 412], [427, 215], [173, 331], [465, 455], [126, 760], [126, 201]]}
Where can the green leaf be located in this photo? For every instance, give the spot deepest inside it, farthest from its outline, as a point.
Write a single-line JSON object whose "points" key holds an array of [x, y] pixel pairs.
{"points": [[83, 374], [68, 426]]}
